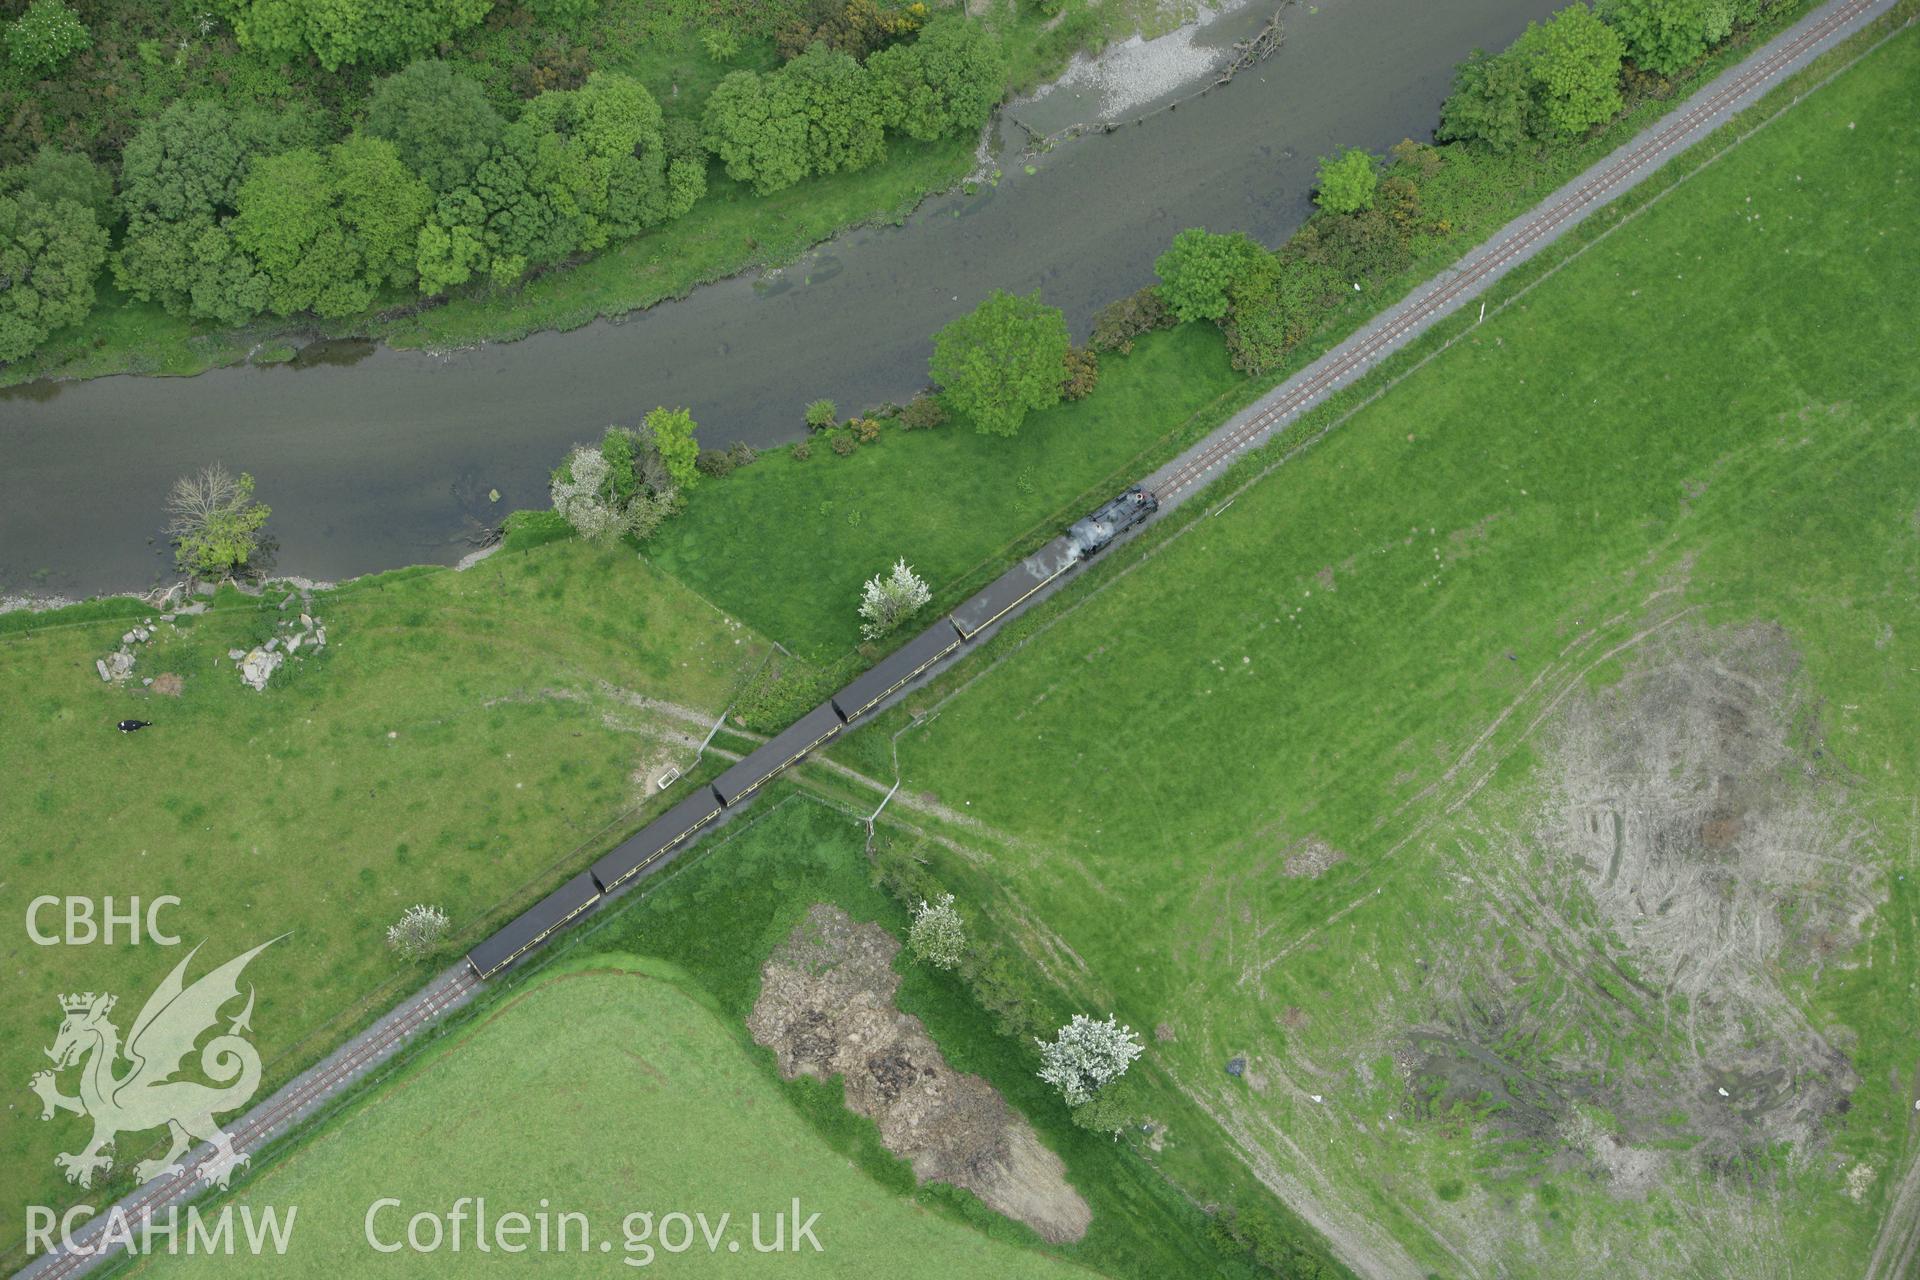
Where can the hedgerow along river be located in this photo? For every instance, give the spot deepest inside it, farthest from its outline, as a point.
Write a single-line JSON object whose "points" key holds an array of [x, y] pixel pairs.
{"points": [[372, 458]]}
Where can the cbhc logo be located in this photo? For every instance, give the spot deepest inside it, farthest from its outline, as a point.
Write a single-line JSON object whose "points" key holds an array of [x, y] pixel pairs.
{"points": [[84, 926]]}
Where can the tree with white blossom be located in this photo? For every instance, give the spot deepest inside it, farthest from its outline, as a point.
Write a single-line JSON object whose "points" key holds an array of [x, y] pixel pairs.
{"points": [[938, 935], [419, 932], [577, 494], [623, 486], [1086, 1055], [885, 602]]}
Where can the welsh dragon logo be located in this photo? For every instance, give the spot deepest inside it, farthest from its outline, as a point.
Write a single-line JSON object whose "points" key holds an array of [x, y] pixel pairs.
{"points": [[145, 1095]]}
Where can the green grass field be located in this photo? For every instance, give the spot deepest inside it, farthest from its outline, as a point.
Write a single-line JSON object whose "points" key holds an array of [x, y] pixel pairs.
{"points": [[457, 742], [957, 505], [960, 509], [1289, 790], [663, 1102], [721, 917], [1299, 786], [630, 1093]]}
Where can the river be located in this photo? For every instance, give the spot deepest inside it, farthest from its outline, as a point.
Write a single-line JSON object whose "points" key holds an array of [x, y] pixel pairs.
{"points": [[375, 458]]}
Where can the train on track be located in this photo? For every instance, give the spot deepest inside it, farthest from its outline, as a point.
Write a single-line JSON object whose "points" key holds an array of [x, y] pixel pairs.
{"points": [[657, 843]]}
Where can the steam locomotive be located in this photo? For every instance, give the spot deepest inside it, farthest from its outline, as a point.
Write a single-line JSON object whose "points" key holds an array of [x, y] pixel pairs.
{"points": [[1092, 533]]}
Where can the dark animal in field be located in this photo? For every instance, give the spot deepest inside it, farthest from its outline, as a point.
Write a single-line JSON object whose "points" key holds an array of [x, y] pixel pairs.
{"points": [[129, 726]]}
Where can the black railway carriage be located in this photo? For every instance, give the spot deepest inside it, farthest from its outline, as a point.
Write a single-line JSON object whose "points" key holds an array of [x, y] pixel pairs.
{"points": [[1019, 582], [818, 726], [895, 670], [661, 836], [547, 917], [673, 829]]}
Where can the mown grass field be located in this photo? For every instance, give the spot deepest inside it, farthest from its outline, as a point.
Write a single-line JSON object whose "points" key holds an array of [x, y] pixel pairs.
{"points": [[630, 1093], [635, 1086], [456, 742], [1296, 785], [954, 503], [720, 919]]}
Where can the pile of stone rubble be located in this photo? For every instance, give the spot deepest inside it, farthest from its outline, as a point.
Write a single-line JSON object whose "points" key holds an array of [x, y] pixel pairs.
{"points": [[258, 664], [117, 666]]}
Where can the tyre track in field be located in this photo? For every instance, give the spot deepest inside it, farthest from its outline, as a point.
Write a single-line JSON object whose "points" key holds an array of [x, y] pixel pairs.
{"points": [[1896, 1249]]}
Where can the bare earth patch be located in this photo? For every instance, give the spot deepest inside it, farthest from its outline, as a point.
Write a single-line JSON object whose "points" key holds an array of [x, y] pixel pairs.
{"points": [[1698, 853], [826, 1008], [1311, 857]]}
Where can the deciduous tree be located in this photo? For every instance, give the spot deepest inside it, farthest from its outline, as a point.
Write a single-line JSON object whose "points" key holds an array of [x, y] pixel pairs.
{"points": [[452, 244], [846, 130], [757, 125], [938, 936], [618, 488], [673, 435], [382, 33], [1491, 103], [438, 120], [580, 492], [381, 204], [50, 253], [285, 222], [1272, 308], [579, 168], [596, 160], [1347, 181], [419, 932], [1665, 36], [1114, 1108], [180, 178], [54, 175], [887, 600], [945, 82], [44, 37], [1198, 269], [1002, 360], [192, 157], [329, 231], [1085, 1056], [1574, 59], [563, 13], [215, 523]]}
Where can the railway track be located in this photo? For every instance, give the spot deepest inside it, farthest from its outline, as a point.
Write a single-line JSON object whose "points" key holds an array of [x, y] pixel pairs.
{"points": [[1383, 336], [265, 1122], [1406, 320]]}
